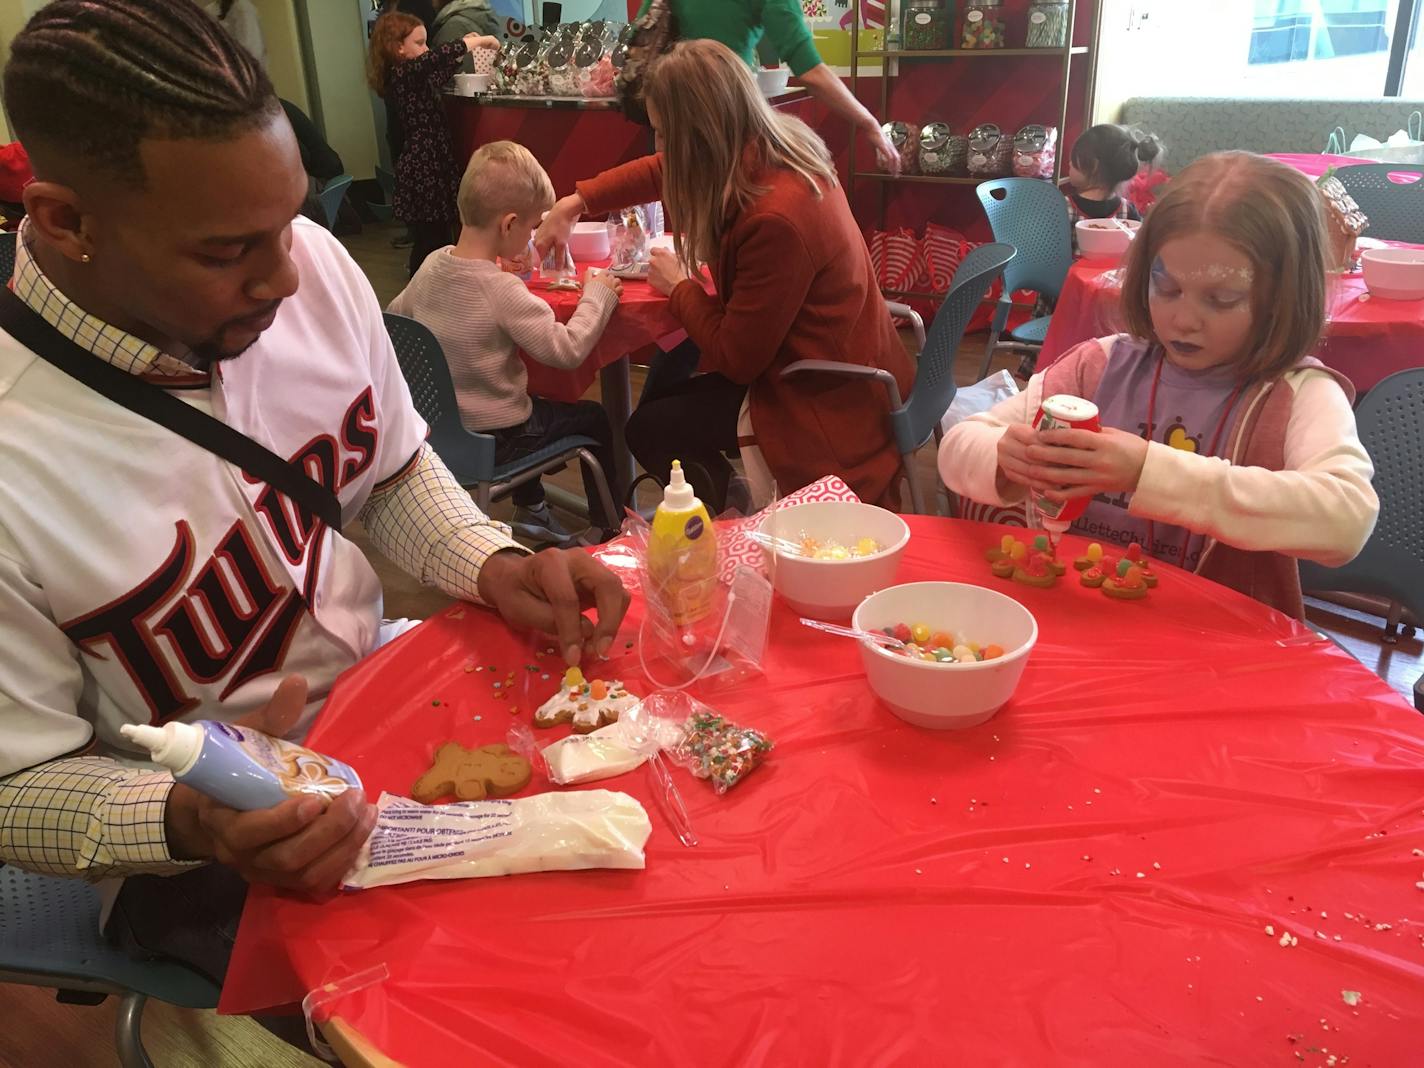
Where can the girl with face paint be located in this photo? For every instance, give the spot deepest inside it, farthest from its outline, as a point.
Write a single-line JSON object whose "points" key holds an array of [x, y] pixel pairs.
{"points": [[1226, 447]]}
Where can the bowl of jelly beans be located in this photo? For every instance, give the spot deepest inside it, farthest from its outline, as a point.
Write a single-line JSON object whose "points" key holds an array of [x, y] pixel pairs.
{"points": [[966, 651], [830, 555]]}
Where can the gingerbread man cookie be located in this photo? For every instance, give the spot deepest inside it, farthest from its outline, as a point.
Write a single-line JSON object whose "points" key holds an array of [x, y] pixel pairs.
{"points": [[472, 774], [586, 705]]}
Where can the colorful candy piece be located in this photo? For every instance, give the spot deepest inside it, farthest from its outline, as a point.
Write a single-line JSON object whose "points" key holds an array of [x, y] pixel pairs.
{"points": [[941, 640], [920, 632], [1019, 551], [1134, 552], [992, 652], [902, 632], [1090, 557]]}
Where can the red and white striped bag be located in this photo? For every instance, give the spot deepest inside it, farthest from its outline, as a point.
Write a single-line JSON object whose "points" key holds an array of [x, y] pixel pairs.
{"points": [[941, 253], [895, 255]]}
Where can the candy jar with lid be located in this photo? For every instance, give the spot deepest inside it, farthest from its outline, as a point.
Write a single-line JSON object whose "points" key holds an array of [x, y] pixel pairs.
{"points": [[563, 74], [934, 149], [905, 136], [983, 25], [924, 25], [1047, 24]]}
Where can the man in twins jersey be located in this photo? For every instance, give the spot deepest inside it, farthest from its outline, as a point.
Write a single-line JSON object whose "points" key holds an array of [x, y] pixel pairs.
{"points": [[142, 577]]}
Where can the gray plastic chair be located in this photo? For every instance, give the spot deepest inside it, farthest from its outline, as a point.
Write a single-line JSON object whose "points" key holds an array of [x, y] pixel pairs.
{"points": [[384, 211], [331, 196], [470, 455], [49, 937], [7, 255], [1391, 565], [1032, 216], [1395, 209], [915, 420]]}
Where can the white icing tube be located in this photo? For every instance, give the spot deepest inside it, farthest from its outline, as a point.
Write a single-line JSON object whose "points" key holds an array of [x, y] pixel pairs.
{"points": [[477, 839]]}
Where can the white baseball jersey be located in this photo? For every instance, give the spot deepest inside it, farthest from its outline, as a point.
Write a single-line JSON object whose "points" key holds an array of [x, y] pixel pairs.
{"points": [[143, 578]]}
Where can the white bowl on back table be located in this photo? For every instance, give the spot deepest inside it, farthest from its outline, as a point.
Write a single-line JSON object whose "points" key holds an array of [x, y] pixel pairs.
{"points": [[1394, 273], [1105, 239]]}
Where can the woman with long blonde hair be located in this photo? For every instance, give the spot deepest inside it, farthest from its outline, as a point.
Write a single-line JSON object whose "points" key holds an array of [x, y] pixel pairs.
{"points": [[752, 194]]}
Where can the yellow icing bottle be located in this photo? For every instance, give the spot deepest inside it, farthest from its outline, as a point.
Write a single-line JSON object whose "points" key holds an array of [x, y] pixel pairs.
{"points": [[682, 553]]}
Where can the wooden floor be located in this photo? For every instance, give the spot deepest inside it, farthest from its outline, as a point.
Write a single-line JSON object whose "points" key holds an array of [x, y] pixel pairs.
{"points": [[39, 1032]]}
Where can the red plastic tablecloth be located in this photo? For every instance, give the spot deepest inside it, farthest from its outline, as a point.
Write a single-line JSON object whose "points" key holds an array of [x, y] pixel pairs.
{"points": [[1087, 878], [642, 319], [1366, 338]]}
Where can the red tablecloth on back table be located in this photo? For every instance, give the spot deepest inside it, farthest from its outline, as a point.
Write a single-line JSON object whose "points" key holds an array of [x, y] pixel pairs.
{"points": [[1088, 878], [642, 318], [1366, 339]]}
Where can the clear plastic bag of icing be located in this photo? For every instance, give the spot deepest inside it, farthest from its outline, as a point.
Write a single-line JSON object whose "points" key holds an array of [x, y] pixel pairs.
{"points": [[565, 831], [558, 266], [578, 758], [629, 239], [696, 627]]}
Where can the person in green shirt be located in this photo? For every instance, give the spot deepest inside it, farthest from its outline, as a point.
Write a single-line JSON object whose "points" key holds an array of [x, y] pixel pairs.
{"points": [[741, 24]]}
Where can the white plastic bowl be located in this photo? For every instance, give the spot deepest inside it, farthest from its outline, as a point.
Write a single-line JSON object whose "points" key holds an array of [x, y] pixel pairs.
{"points": [[943, 696], [1103, 238], [471, 84], [830, 589], [1394, 273], [589, 242], [772, 80]]}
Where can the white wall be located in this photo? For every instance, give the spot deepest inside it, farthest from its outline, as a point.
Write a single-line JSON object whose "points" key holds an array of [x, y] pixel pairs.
{"points": [[284, 51], [339, 46], [13, 17]]}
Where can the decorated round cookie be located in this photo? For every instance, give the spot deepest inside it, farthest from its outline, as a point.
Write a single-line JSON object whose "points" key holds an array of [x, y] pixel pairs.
{"points": [[1128, 584], [583, 704]]}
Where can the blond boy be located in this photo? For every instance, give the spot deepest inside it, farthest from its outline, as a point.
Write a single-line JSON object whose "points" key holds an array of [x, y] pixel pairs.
{"points": [[483, 315]]}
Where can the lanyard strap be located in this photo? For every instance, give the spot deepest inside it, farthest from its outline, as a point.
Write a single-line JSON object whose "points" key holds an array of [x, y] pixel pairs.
{"points": [[143, 398]]}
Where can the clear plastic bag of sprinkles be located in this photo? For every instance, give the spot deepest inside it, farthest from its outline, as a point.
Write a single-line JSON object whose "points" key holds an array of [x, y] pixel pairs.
{"points": [[709, 745]]}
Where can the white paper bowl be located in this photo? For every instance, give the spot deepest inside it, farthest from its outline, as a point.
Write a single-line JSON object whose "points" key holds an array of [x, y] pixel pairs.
{"points": [[1394, 273], [830, 589], [943, 696], [589, 242], [1103, 239], [772, 80]]}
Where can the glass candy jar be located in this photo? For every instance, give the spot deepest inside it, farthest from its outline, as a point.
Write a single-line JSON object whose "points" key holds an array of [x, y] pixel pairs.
{"points": [[935, 149], [983, 25], [1047, 24], [905, 136], [924, 25]]}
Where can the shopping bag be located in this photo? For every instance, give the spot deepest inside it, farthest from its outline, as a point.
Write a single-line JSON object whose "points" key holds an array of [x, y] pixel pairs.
{"points": [[1402, 146]]}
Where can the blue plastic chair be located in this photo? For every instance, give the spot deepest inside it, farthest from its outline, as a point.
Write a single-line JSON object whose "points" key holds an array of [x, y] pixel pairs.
{"points": [[1032, 216], [1391, 565], [331, 196], [914, 420], [7, 255], [1395, 209], [49, 937], [385, 212], [470, 455]]}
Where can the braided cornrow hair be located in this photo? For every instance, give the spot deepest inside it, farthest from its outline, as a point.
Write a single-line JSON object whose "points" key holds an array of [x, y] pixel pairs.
{"points": [[93, 78]]}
